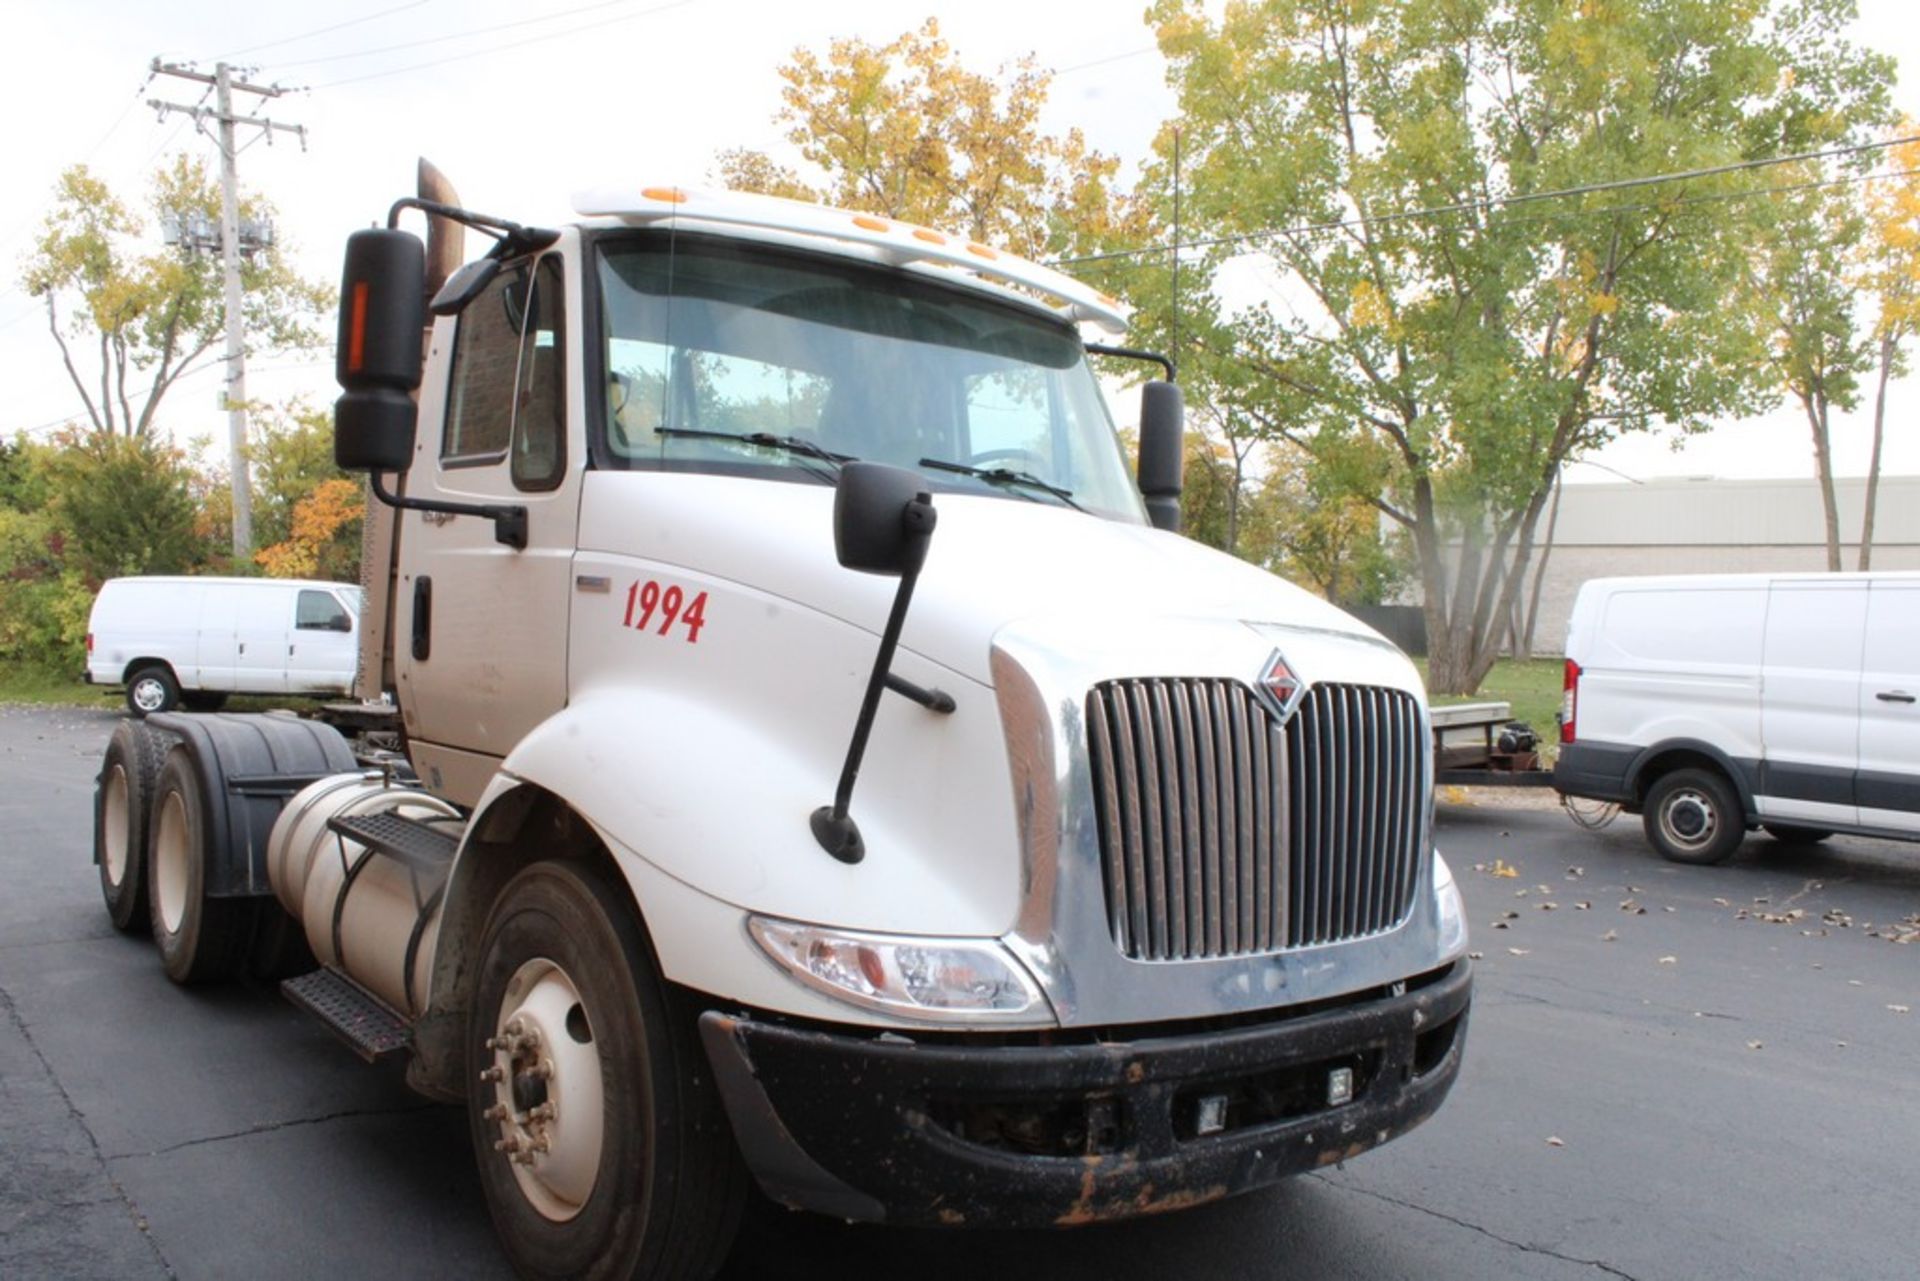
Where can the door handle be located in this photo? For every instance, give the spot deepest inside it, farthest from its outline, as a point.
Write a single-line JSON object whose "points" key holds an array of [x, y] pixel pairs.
{"points": [[1894, 696], [422, 618]]}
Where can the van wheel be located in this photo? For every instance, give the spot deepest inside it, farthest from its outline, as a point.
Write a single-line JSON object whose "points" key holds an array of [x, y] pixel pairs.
{"points": [[122, 805], [1791, 835], [602, 1145], [1694, 816], [201, 939], [152, 689]]}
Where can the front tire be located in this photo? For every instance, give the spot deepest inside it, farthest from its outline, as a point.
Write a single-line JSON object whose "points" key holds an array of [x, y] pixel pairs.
{"points": [[600, 1138], [1694, 816], [152, 689], [200, 939], [123, 804]]}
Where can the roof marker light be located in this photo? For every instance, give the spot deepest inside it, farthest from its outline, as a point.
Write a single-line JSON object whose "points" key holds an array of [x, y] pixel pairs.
{"points": [[931, 237], [983, 251], [671, 195], [872, 224]]}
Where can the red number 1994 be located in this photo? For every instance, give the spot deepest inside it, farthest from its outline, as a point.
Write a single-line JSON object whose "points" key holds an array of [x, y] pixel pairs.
{"points": [[644, 600]]}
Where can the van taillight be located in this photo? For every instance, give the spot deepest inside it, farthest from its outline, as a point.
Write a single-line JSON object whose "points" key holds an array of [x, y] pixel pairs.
{"points": [[89, 643], [1569, 701]]}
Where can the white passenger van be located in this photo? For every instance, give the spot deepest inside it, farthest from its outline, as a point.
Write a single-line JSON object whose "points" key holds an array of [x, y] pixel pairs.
{"points": [[196, 640], [1711, 704]]}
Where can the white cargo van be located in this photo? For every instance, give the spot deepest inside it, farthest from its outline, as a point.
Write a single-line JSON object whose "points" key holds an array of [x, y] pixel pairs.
{"points": [[196, 640], [1711, 704]]}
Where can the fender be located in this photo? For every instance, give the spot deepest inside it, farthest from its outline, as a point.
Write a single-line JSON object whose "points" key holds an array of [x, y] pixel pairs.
{"points": [[675, 781], [1741, 773]]}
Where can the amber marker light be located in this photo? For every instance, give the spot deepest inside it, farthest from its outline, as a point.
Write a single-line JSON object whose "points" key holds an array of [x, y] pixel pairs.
{"points": [[357, 329], [872, 224], [670, 195]]}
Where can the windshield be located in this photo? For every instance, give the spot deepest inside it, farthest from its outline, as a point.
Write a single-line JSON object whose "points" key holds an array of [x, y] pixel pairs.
{"points": [[728, 357]]}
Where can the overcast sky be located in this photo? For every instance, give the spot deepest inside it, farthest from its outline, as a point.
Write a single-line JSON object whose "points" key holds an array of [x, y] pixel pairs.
{"points": [[525, 103]]}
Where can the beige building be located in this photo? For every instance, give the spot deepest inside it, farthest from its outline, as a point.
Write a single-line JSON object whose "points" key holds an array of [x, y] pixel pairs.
{"points": [[1708, 526]]}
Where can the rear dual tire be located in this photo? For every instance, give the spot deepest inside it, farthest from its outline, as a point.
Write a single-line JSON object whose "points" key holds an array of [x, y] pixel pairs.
{"points": [[201, 939], [128, 775]]}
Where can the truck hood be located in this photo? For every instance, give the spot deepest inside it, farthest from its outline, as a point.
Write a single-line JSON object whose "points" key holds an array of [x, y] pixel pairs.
{"points": [[993, 562]]}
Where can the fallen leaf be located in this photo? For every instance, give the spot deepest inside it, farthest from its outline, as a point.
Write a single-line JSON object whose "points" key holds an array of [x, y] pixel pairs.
{"points": [[1509, 915], [1475, 956], [1502, 868], [1610, 936], [1840, 1045], [1500, 925], [1855, 983], [1518, 951], [1669, 960], [1546, 907], [1722, 902], [1669, 909], [1576, 871], [1753, 1045], [1583, 905], [1901, 1009], [1554, 1141]]}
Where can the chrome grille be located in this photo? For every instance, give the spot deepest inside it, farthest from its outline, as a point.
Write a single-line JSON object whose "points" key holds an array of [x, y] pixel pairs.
{"points": [[1222, 834]]}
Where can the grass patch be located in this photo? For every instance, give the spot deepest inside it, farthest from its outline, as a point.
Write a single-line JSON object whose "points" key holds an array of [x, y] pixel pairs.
{"points": [[49, 688], [1532, 687]]}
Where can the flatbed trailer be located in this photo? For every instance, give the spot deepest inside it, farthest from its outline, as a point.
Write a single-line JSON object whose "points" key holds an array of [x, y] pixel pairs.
{"points": [[1467, 749]]}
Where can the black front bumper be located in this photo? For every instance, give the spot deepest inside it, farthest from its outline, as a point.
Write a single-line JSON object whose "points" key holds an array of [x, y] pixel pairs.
{"points": [[1030, 1134]]}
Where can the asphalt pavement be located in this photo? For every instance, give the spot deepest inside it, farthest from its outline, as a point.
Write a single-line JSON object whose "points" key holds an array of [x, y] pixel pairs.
{"points": [[1671, 1072]]}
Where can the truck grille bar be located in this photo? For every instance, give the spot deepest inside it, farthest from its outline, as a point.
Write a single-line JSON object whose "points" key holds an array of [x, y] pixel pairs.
{"points": [[1223, 834]]}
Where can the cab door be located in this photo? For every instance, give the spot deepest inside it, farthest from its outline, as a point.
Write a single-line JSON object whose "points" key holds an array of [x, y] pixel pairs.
{"points": [[1888, 785], [481, 639]]}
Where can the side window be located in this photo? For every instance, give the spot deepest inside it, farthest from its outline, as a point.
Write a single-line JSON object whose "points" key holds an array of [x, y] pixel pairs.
{"points": [[508, 397], [320, 612], [540, 422]]}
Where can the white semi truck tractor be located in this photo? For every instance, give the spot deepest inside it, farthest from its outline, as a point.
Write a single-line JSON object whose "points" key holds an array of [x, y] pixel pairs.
{"points": [[818, 762]]}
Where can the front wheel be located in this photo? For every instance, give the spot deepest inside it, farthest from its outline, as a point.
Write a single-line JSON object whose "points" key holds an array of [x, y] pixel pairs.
{"points": [[602, 1145], [1694, 816]]}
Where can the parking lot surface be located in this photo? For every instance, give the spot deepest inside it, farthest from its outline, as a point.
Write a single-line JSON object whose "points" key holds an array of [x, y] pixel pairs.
{"points": [[1672, 1072]]}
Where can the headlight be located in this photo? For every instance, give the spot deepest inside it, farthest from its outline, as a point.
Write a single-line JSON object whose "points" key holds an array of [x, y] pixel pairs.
{"points": [[940, 980], [1453, 911]]}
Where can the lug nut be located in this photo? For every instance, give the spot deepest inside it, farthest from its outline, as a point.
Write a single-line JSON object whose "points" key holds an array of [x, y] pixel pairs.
{"points": [[492, 1074], [542, 1113], [509, 1144], [498, 1112], [541, 1071]]}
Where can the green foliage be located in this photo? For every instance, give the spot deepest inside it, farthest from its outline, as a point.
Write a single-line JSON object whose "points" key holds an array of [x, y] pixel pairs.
{"points": [[136, 320], [292, 454], [125, 506], [1445, 366]]}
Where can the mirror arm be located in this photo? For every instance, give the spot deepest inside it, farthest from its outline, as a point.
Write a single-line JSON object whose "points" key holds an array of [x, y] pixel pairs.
{"points": [[1135, 353], [509, 520], [832, 826]]}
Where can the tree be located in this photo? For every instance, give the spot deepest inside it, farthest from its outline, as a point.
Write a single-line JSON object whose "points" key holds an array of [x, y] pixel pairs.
{"points": [[323, 540], [292, 456], [1802, 287], [125, 505], [905, 131], [1480, 348], [130, 323], [1893, 276]]}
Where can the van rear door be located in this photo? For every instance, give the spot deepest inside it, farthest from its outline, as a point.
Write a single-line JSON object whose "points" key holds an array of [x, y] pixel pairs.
{"points": [[1809, 701], [1888, 786]]}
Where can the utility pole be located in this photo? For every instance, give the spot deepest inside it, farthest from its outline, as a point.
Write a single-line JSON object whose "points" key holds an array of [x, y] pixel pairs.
{"points": [[224, 86]]}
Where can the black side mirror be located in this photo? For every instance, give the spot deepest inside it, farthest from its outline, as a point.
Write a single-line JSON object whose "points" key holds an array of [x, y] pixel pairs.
{"points": [[882, 522], [378, 360], [882, 519], [1162, 452]]}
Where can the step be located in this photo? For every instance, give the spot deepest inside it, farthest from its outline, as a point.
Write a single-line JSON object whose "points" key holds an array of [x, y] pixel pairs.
{"points": [[418, 845], [355, 1015]]}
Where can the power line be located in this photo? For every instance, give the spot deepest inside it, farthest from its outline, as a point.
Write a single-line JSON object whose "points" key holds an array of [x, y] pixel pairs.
{"points": [[1101, 62], [1496, 202], [470, 32], [516, 44], [321, 31]]}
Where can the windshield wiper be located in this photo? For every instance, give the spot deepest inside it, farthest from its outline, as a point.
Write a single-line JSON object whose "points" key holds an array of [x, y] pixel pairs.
{"points": [[766, 440], [1005, 478]]}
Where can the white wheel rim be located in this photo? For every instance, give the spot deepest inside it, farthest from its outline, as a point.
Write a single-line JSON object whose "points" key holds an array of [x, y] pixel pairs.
{"points": [[113, 826], [170, 861], [549, 1129], [149, 695]]}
